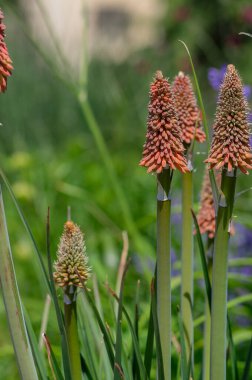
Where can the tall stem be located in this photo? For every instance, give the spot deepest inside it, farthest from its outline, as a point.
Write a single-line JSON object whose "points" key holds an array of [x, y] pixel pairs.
{"points": [[207, 325], [164, 268], [219, 285], [72, 333], [187, 263]]}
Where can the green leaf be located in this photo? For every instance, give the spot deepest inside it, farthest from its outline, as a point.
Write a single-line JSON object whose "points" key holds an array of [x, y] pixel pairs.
{"points": [[211, 174], [60, 320], [26, 225], [203, 260], [13, 305], [185, 367], [106, 336], [246, 372], [232, 351], [135, 367], [37, 353], [56, 372], [143, 373]]}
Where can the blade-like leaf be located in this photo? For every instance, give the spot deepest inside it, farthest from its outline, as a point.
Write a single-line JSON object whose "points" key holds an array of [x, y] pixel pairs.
{"points": [[60, 320], [106, 337], [185, 367], [56, 372], [135, 367], [27, 227], [232, 351], [143, 373], [37, 353], [13, 305], [246, 373], [211, 174], [203, 260], [118, 346]]}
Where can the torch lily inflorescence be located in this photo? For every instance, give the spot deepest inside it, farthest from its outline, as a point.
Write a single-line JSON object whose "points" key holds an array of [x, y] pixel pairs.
{"points": [[5, 61], [230, 146], [163, 147], [188, 113], [71, 258]]}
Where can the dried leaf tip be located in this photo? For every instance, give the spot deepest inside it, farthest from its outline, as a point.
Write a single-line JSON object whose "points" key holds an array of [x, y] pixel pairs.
{"points": [[230, 145], [188, 113], [5, 61], [71, 257], [163, 147]]}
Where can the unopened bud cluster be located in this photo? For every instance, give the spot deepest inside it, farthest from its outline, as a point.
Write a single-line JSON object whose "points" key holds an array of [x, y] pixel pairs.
{"points": [[71, 267]]}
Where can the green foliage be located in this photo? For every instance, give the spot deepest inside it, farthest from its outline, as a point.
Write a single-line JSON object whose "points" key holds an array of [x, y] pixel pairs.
{"points": [[58, 151]]}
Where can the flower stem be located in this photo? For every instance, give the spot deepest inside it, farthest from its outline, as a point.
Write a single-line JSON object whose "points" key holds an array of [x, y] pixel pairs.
{"points": [[207, 325], [71, 332], [187, 263], [219, 285], [164, 268]]}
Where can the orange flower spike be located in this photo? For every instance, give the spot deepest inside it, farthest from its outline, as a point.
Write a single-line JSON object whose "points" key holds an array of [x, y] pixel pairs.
{"points": [[163, 147], [206, 215], [230, 145], [5, 61], [189, 115]]}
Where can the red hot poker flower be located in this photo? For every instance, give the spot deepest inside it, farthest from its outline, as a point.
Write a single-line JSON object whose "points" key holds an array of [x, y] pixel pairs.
{"points": [[189, 115], [206, 215], [163, 147], [5, 61], [230, 145]]}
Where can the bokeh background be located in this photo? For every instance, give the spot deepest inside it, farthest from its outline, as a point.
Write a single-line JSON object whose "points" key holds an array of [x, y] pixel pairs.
{"points": [[112, 49]]}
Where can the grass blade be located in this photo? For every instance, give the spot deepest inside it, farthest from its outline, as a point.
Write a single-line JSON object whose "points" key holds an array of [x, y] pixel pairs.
{"points": [[64, 343], [56, 372], [246, 372], [185, 367], [135, 367], [118, 345], [143, 373], [232, 351], [211, 174], [106, 337], [203, 259], [12, 304], [26, 225], [37, 353]]}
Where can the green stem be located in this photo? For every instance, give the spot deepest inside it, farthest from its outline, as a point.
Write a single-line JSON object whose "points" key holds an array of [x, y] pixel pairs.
{"points": [[187, 263], [72, 332], [13, 305], [164, 268], [219, 286], [207, 325]]}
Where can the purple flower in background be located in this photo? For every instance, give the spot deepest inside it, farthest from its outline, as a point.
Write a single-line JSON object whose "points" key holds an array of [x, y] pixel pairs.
{"points": [[216, 76], [247, 91]]}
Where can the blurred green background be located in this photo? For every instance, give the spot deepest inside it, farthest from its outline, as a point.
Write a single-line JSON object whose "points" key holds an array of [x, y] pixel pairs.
{"points": [[50, 156]]}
